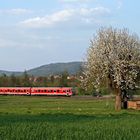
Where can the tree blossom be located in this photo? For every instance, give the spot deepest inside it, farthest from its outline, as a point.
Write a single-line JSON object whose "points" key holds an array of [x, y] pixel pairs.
{"points": [[114, 55]]}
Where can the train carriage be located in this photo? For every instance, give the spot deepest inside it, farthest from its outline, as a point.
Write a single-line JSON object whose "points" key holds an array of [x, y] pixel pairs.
{"points": [[61, 91], [64, 91], [15, 90]]}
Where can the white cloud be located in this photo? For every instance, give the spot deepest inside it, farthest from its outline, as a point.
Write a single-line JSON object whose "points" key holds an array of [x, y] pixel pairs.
{"points": [[73, 16], [50, 20], [18, 11]]}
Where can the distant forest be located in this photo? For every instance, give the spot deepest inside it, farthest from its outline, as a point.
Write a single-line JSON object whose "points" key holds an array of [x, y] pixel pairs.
{"points": [[25, 80]]}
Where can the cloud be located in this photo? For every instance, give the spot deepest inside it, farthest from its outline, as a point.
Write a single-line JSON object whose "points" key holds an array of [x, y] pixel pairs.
{"points": [[49, 20], [18, 11], [73, 16]]}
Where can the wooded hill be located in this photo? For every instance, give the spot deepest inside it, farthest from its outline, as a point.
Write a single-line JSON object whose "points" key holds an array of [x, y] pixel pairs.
{"points": [[50, 69]]}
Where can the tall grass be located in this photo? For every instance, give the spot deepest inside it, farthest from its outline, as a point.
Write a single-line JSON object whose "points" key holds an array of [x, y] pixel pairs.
{"points": [[41, 118]]}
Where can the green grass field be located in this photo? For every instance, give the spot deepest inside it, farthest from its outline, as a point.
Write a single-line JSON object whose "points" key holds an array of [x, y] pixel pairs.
{"points": [[48, 118]]}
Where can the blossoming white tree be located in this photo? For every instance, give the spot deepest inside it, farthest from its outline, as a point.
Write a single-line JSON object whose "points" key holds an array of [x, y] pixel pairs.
{"points": [[113, 56]]}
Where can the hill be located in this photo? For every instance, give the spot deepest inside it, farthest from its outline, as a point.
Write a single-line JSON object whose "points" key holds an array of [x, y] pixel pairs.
{"points": [[50, 69], [8, 73], [56, 68]]}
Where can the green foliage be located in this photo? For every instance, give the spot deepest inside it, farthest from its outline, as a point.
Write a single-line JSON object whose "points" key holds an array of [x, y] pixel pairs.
{"points": [[35, 118], [4, 80], [25, 80], [80, 91], [28, 81], [104, 91], [63, 80]]}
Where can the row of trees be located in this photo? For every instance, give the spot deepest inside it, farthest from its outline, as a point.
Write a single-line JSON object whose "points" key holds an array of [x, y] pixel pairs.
{"points": [[62, 80]]}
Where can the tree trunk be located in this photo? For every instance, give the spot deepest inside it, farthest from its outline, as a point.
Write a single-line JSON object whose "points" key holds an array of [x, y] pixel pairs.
{"points": [[118, 100]]}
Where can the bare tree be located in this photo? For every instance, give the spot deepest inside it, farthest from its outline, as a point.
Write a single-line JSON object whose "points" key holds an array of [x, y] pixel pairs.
{"points": [[113, 56]]}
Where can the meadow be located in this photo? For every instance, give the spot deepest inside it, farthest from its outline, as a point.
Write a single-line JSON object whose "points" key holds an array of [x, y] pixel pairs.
{"points": [[54, 118]]}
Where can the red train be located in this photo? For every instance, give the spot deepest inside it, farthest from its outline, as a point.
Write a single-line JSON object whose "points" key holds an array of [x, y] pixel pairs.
{"points": [[64, 91]]}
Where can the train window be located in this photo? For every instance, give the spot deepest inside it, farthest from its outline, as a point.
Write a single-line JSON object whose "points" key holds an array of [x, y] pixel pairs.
{"points": [[64, 90], [54, 90], [45, 90], [39, 90], [57, 90]]}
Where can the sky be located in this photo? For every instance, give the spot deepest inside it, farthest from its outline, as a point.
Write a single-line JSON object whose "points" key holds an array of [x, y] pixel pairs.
{"points": [[39, 32]]}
